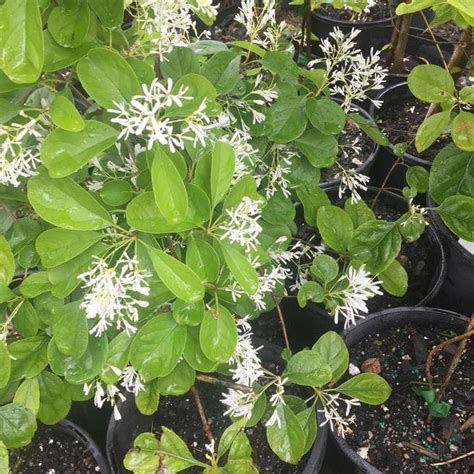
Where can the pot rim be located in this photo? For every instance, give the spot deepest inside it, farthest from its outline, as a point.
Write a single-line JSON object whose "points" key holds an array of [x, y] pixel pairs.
{"points": [[388, 21], [450, 316]]}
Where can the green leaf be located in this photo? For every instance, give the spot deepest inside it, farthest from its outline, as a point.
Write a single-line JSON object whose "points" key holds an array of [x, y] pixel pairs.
{"points": [[178, 382], [281, 63], [307, 420], [308, 367], [64, 152], [312, 198], [69, 30], [157, 346], [324, 268], [63, 203], [55, 399], [331, 347], [144, 215], [278, 210], [147, 400], [431, 83], [287, 441], [466, 94], [287, 119], [222, 170], [26, 320], [203, 260], [241, 450], [452, 173], [107, 77], [4, 461], [28, 356], [65, 115], [28, 395], [116, 192], [376, 244], [144, 457], [176, 454], [222, 70], [417, 177], [71, 330], [457, 213], [21, 41], [359, 212], [320, 149], [368, 388], [370, 129], [335, 227], [325, 115], [464, 6], [218, 334], [110, 12], [117, 356], [194, 355], [170, 193], [176, 276], [17, 425], [5, 365], [179, 62], [462, 131], [7, 262], [430, 129], [394, 279], [310, 290], [439, 409], [188, 314], [241, 268]]}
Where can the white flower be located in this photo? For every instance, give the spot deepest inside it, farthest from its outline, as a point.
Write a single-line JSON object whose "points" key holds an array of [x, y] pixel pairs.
{"points": [[351, 300], [110, 298], [101, 395], [239, 403], [276, 400], [352, 181], [132, 380], [242, 224], [255, 16], [333, 417]]}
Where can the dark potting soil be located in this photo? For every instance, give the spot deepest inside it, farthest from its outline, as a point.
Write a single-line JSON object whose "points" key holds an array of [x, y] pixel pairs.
{"points": [[52, 451], [391, 430], [449, 31], [181, 415], [380, 11], [355, 148], [400, 120]]}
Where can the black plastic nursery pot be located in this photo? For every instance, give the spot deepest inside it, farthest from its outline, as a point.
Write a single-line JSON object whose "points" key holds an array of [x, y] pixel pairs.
{"points": [[456, 292], [384, 320], [90, 453], [386, 158], [121, 433], [307, 324]]}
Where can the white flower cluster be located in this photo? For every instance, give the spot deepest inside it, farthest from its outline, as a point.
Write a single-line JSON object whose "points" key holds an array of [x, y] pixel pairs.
{"points": [[145, 117], [352, 299], [242, 225], [169, 23], [353, 182], [276, 400], [111, 293], [19, 158], [350, 74], [332, 416]]}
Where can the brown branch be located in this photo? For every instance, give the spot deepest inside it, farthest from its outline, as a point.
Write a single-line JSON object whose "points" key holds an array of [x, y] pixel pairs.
{"points": [[225, 383], [468, 423], [200, 408], [455, 360], [457, 458], [282, 323], [385, 181], [401, 44], [420, 449]]}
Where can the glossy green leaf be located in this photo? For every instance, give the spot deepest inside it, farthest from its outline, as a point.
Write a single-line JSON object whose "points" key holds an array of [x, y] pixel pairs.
{"points": [[325, 115], [241, 268], [69, 30], [312, 198], [26, 320], [218, 334], [287, 119], [462, 131], [325, 268], [178, 382], [418, 177], [29, 356], [117, 356], [287, 439], [194, 355], [17, 425], [4, 461], [64, 152], [179, 62], [116, 192], [307, 420], [320, 149], [370, 129], [222, 170], [202, 259], [107, 77], [57, 246], [64, 203], [188, 314], [431, 83], [331, 347], [310, 291], [21, 41], [169, 190], [176, 454], [369, 388], [359, 212], [55, 399], [7, 262], [65, 115], [110, 12], [222, 70], [28, 394], [457, 213], [430, 130], [394, 279], [376, 244], [144, 457], [147, 400], [157, 346], [335, 227], [5, 365], [308, 367]]}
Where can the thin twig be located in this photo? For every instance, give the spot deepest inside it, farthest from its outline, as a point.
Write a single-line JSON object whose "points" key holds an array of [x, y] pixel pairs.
{"points": [[283, 326], [200, 408], [420, 449], [401, 44], [468, 423], [385, 181], [457, 458], [455, 360], [225, 383]]}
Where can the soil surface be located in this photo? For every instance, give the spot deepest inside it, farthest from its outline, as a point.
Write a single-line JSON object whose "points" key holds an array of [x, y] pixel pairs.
{"points": [[52, 451], [400, 120], [449, 31], [180, 414], [355, 147], [380, 11], [385, 434]]}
